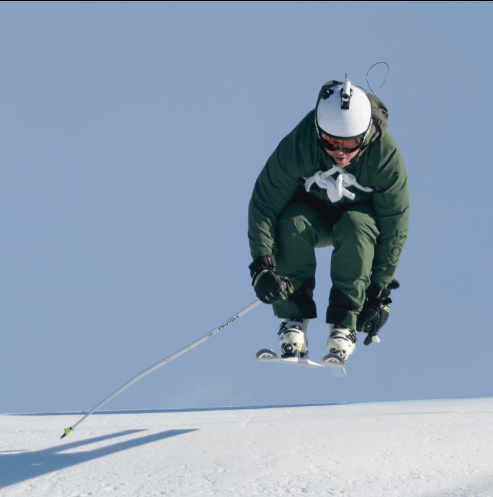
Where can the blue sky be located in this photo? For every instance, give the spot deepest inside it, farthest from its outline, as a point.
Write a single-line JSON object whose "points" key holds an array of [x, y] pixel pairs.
{"points": [[132, 135]]}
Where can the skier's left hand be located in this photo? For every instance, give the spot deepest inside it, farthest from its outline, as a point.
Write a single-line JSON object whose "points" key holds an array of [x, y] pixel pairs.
{"points": [[376, 311]]}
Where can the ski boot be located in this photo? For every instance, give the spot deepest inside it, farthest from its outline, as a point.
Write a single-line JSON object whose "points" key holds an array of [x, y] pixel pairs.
{"points": [[340, 345], [292, 338]]}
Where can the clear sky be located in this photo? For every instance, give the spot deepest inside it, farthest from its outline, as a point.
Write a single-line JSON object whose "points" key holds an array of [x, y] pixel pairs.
{"points": [[131, 137]]}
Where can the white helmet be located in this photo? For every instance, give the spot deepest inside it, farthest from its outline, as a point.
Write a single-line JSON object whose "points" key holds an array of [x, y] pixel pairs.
{"points": [[343, 112]]}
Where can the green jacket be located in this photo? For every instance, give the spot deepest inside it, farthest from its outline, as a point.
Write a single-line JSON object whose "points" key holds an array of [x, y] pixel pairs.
{"points": [[379, 166]]}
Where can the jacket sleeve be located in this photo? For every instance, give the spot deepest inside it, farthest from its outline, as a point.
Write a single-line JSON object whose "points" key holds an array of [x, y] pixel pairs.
{"points": [[275, 187], [391, 204]]}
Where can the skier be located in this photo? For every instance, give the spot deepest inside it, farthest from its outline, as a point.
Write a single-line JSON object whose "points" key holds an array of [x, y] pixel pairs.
{"points": [[337, 179]]}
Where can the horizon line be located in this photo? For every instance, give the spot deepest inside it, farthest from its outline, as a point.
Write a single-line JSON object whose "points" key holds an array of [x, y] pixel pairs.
{"points": [[230, 408]]}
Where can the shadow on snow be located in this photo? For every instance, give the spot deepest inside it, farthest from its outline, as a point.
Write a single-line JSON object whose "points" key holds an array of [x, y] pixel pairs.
{"points": [[18, 467]]}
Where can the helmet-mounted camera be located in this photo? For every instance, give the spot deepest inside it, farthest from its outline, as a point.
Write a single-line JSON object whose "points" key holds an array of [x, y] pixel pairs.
{"points": [[346, 94]]}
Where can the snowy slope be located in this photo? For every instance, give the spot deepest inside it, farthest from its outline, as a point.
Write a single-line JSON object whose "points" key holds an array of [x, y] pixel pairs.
{"points": [[428, 448]]}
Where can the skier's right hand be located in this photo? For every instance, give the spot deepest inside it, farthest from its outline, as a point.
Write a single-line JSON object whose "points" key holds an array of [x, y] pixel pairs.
{"points": [[268, 285]]}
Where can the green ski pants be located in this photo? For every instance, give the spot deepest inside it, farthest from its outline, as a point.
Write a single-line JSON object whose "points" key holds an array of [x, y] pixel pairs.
{"points": [[352, 231]]}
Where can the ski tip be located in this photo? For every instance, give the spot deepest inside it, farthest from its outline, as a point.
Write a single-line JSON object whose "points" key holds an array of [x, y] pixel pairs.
{"points": [[337, 371], [67, 432]]}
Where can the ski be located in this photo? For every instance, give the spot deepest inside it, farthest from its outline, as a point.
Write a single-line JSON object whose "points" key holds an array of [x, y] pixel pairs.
{"points": [[335, 364], [332, 362], [267, 355]]}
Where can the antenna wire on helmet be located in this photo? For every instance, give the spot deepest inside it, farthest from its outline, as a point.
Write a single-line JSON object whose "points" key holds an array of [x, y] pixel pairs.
{"points": [[386, 76]]}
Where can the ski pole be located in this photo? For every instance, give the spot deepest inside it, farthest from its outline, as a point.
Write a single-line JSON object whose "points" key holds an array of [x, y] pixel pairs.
{"points": [[69, 431]]}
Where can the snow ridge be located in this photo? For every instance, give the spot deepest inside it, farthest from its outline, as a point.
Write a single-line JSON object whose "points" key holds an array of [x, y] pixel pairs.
{"points": [[418, 449]]}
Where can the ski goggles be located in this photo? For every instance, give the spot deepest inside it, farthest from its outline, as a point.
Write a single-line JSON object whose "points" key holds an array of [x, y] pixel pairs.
{"points": [[347, 146]]}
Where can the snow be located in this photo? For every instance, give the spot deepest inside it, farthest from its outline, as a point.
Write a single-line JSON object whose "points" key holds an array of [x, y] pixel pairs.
{"points": [[398, 449]]}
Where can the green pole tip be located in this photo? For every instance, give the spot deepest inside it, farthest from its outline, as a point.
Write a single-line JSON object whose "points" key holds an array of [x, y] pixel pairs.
{"points": [[68, 432]]}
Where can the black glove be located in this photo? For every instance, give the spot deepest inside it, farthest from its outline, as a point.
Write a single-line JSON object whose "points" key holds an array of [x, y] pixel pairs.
{"points": [[376, 310], [268, 285]]}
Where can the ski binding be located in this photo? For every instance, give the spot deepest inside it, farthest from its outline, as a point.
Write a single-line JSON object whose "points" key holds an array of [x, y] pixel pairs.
{"points": [[335, 364]]}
